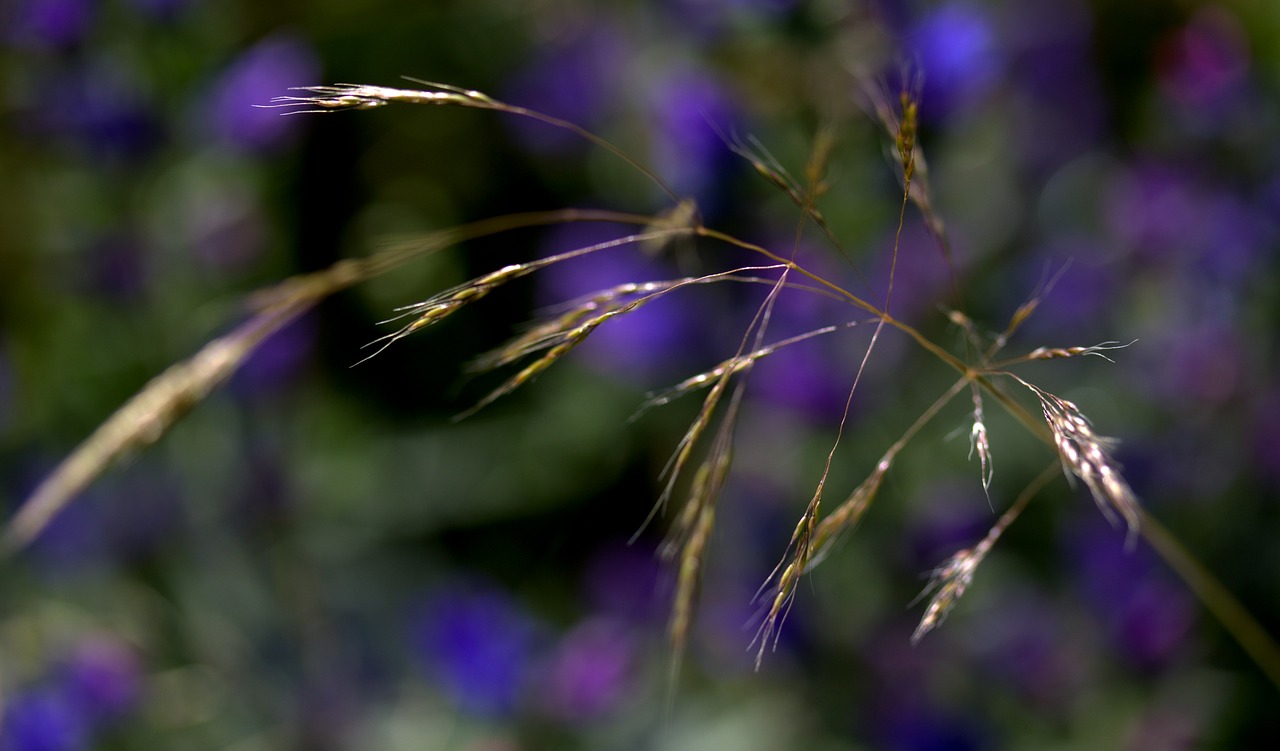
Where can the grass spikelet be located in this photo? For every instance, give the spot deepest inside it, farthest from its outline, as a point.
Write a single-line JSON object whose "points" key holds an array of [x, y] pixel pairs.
{"points": [[684, 449], [1054, 353], [690, 536], [980, 443], [731, 366], [143, 419], [443, 304], [688, 577], [558, 343], [1087, 455], [348, 96], [949, 581], [847, 515], [606, 301], [814, 535], [351, 96]]}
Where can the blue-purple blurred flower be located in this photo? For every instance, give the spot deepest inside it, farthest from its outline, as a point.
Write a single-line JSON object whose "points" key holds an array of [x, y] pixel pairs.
{"points": [[690, 111], [1053, 76], [50, 23], [1168, 218], [277, 361], [1203, 364], [1077, 289], [1156, 211], [101, 111], [590, 672], [1027, 643], [261, 72], [910, 724], [576, 79], [804, 378], [42, 720], [478, 644], [812, 377], [922, 277], [953, 516], [102, 679], [1148, 614], [958, 54], [627, 581], [123, 517], [1204, 62]]}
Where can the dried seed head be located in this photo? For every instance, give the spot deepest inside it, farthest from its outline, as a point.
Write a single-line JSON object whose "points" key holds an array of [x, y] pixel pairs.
{"points": [[1046, 353], [350, 96], [979, 442], [1087, 455], [948, 584]]}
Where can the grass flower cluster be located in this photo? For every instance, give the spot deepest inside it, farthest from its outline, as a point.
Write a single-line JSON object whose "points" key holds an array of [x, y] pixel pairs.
{"points": [[701, 462]]}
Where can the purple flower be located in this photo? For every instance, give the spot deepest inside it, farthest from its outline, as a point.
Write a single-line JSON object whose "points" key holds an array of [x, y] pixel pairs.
{"points": [[121, 517], [261, 72], [1156, 211], [1236, 238], [576, 80], [1084, 291], [102, 679], [1203, 363], [690, 111], [73, 542], [1206, 61], [1025, 643], [627, 581], [277, 361], [42, 720], [912, 725], [1061, 109], [1148, 615], [804, 378], [958, 54], [100, 110], [51, 23], [952, 516], [590, 672], [1168, 217], [922, 278], [478, 645]]}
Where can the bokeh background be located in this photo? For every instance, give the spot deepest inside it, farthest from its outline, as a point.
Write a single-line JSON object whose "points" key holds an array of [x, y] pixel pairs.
{"points": [[320, 557]]}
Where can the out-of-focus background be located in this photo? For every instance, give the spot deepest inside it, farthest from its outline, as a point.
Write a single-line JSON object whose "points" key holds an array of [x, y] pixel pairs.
{"points": [[320, 557]]}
